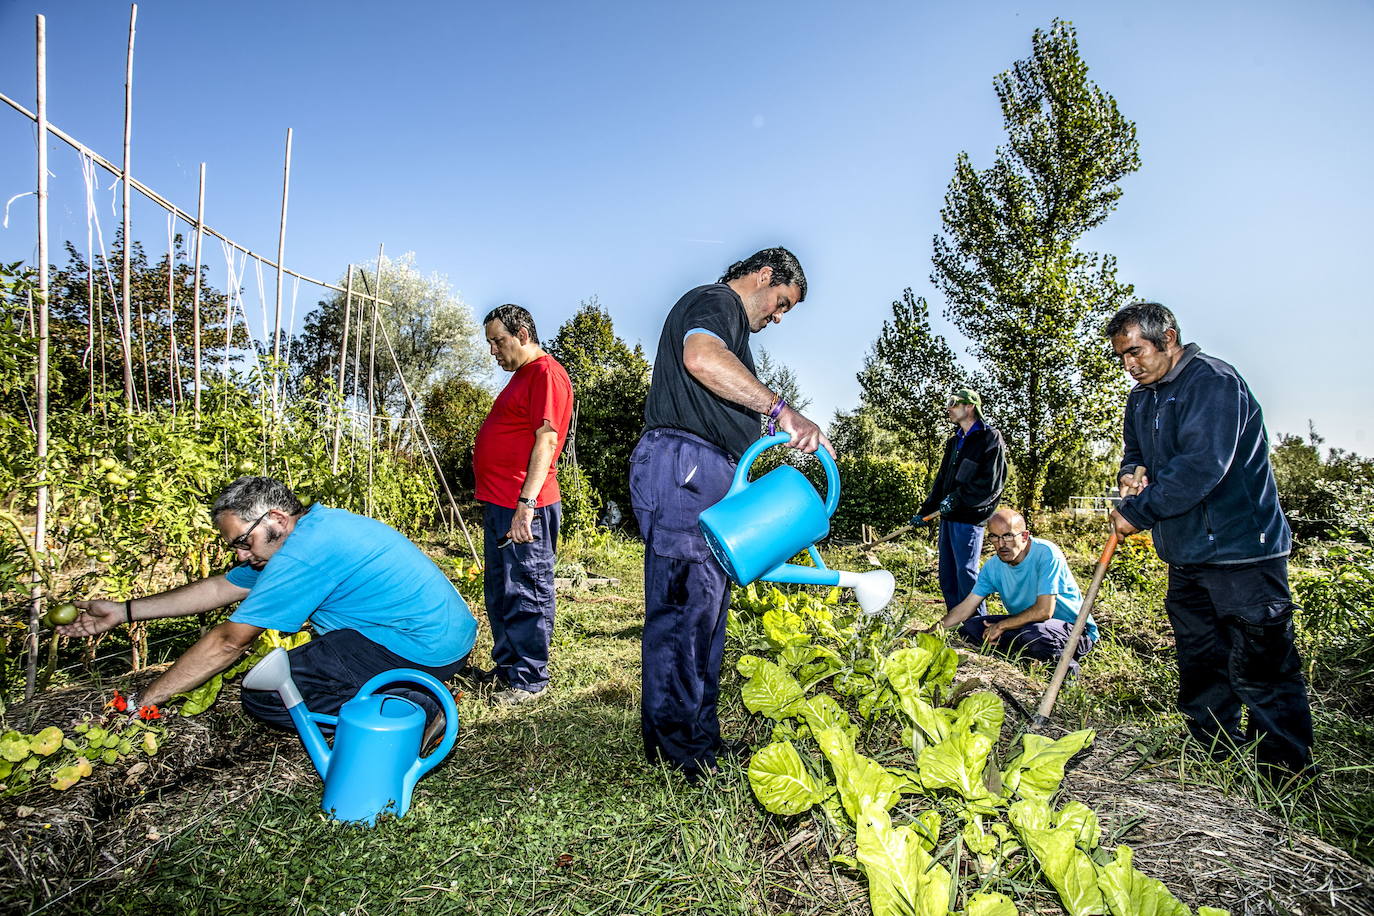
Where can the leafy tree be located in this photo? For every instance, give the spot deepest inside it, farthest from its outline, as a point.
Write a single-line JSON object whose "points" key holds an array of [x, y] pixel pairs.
{"points": [[1320, 493], [432, 330], [906, 381], [76, 345], [454, 410], [781, 380], [1015, 285], [611, 383]]}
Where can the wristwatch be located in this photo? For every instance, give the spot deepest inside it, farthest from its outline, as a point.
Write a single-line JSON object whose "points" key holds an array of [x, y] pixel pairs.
{"points": [[531, 501]]}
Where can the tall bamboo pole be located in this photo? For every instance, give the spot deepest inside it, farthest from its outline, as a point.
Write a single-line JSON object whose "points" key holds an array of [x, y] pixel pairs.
{"points": [[372, 373], [281, 251], [126, 333], [195, 294], [173, 364], [40, 525], [343, 365]]}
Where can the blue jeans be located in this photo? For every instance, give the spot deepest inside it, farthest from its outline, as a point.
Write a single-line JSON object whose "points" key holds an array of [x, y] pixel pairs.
{"points": [[673, 477], [330, 669], [1043, 641], [960, 547], [1233, 632], [517, 585]]}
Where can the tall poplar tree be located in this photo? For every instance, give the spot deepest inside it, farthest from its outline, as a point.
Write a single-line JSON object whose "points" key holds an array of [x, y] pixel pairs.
{"points": [[1015, 282]]}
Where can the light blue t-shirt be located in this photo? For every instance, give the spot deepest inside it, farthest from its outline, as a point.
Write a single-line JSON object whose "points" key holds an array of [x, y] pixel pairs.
{"points": [[345, 571], [1044, 571]]}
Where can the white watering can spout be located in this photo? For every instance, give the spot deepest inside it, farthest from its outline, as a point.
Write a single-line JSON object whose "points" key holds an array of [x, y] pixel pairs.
{"points": [[873, 589], [273, 672]]}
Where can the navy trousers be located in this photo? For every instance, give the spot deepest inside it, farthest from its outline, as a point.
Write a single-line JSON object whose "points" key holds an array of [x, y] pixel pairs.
{"points": [[517, 584], [961, 546], [673, 477], [1043, 641], [331, 668], [1233, 629]]}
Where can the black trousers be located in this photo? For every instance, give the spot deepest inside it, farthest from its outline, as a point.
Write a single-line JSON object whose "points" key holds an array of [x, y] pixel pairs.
{"points": [[1233, 627]]}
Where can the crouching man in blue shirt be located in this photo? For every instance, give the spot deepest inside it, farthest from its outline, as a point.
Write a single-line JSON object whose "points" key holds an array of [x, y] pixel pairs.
{"points": [[373, 599], [1036, 586]]}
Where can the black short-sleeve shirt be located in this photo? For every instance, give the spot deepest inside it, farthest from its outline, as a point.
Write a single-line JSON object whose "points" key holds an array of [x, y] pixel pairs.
{"points": [[679, 401]]}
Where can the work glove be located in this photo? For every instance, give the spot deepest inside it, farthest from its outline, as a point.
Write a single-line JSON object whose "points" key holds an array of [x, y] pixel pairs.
{"points": [[947, 505], [917, 521]]}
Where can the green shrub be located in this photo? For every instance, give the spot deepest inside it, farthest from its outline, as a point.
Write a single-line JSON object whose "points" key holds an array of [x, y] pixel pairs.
{"points": [[581, 502]]}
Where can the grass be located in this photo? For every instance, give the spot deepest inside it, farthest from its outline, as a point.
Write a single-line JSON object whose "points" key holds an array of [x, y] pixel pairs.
{"points": [[552, 809]]}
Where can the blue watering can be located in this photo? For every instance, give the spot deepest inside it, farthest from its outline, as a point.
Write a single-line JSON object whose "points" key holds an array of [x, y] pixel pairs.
{"points": [[757, 526], [375, 761]]}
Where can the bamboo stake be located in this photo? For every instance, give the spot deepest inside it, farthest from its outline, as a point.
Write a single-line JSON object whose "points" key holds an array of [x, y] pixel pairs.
{"points": [[195, 295], [173, 369], [343, 364], [40, 526], [281, 252], [126, 332], [372, 375]]}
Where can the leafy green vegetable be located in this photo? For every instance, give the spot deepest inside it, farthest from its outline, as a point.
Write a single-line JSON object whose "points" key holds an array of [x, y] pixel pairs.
{"points": [[1066, 866], [903, 880], [990, 904], [1039, 769], [861, 781], [1129, 892], [770, 690], [781, 782]]}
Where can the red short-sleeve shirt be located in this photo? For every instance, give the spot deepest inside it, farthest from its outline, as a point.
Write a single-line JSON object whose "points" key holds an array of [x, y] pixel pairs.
{"points": [[539, 391]]}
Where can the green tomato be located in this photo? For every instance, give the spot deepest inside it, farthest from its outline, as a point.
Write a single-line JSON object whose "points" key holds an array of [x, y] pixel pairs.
{"points": [[246, 467], [105, 557], [62, 614], [116, 479]]}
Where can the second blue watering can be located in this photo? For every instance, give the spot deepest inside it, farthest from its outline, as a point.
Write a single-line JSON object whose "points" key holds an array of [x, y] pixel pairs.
{"points": [[759, 525], [375, 760]]}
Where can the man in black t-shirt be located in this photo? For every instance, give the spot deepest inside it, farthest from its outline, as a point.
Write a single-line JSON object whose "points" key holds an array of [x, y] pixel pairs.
{"points": [[702, 413]]}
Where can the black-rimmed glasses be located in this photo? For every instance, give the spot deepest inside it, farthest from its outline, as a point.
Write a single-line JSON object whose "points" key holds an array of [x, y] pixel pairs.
{"points": [[1009, 538], [241, 542]]}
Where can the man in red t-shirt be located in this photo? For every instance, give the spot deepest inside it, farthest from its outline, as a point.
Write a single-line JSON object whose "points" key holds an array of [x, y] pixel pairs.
{"points": [[513, 460]]}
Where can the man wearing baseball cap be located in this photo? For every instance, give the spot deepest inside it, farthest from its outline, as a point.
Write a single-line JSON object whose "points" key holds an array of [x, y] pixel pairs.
{"points": [[967, 488]]}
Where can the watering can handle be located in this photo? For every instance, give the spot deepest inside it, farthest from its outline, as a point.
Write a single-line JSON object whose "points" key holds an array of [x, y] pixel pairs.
{"points": [[436, 687], [832, 473]]}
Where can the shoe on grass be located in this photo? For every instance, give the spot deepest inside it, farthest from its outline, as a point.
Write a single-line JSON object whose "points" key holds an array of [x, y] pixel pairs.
{"points": [[514, 696]]}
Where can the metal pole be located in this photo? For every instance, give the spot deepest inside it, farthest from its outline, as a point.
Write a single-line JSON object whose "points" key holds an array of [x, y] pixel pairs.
{"points": [[173, 364], [126, 332], [372, 374], [40, 525], [195, 295]]}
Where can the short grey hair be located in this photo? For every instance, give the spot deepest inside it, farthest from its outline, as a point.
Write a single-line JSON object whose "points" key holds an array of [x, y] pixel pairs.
{"points": [[1153, 320], [252, 497]]}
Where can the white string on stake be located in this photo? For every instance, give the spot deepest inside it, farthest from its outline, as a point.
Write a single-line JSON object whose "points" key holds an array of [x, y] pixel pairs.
{"points": [[6, 223], [88, 174], [291, 324]]}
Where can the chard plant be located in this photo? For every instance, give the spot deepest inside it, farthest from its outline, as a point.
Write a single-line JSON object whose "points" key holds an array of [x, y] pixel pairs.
{"points": [[811, 661]]}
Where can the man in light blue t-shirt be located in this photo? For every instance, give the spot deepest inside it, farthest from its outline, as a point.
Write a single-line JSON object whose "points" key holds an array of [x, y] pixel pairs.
{"points": [[1037, 588], [373, 599]]}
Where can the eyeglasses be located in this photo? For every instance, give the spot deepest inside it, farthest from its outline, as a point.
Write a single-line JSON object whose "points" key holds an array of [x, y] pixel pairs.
{"points": [[1010, 538], [241, 542]]}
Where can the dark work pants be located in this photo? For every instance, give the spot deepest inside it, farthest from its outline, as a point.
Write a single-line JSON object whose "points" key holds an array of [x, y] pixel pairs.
{"points": [[1233, 627], [961, 546], [1043, 641], [331, 668], [517, 584], [673, 477]]}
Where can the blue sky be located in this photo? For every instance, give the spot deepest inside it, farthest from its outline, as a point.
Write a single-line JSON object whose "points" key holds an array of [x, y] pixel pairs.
{"points": [[543, 153]]}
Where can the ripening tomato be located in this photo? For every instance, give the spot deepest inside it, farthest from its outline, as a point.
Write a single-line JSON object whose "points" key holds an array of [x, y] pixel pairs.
{"points": [[62, 614]]}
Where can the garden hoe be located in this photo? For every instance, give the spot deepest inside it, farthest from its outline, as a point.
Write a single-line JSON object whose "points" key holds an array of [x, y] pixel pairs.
{"points": [[1042, 715]]}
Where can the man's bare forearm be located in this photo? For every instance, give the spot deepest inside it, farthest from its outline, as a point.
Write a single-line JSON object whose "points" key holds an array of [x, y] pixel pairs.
{"points": [[214, 652], [711, 363], [193, 598]]}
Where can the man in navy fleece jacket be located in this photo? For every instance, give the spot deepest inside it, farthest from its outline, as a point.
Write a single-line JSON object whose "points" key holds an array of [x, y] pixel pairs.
{"points": [[1208, 498]]}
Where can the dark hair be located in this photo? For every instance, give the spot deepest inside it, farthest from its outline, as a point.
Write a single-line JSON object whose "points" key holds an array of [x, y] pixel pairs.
{"points": [[514, 318], [251, 497], [786, 269], [1152, 318]]}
